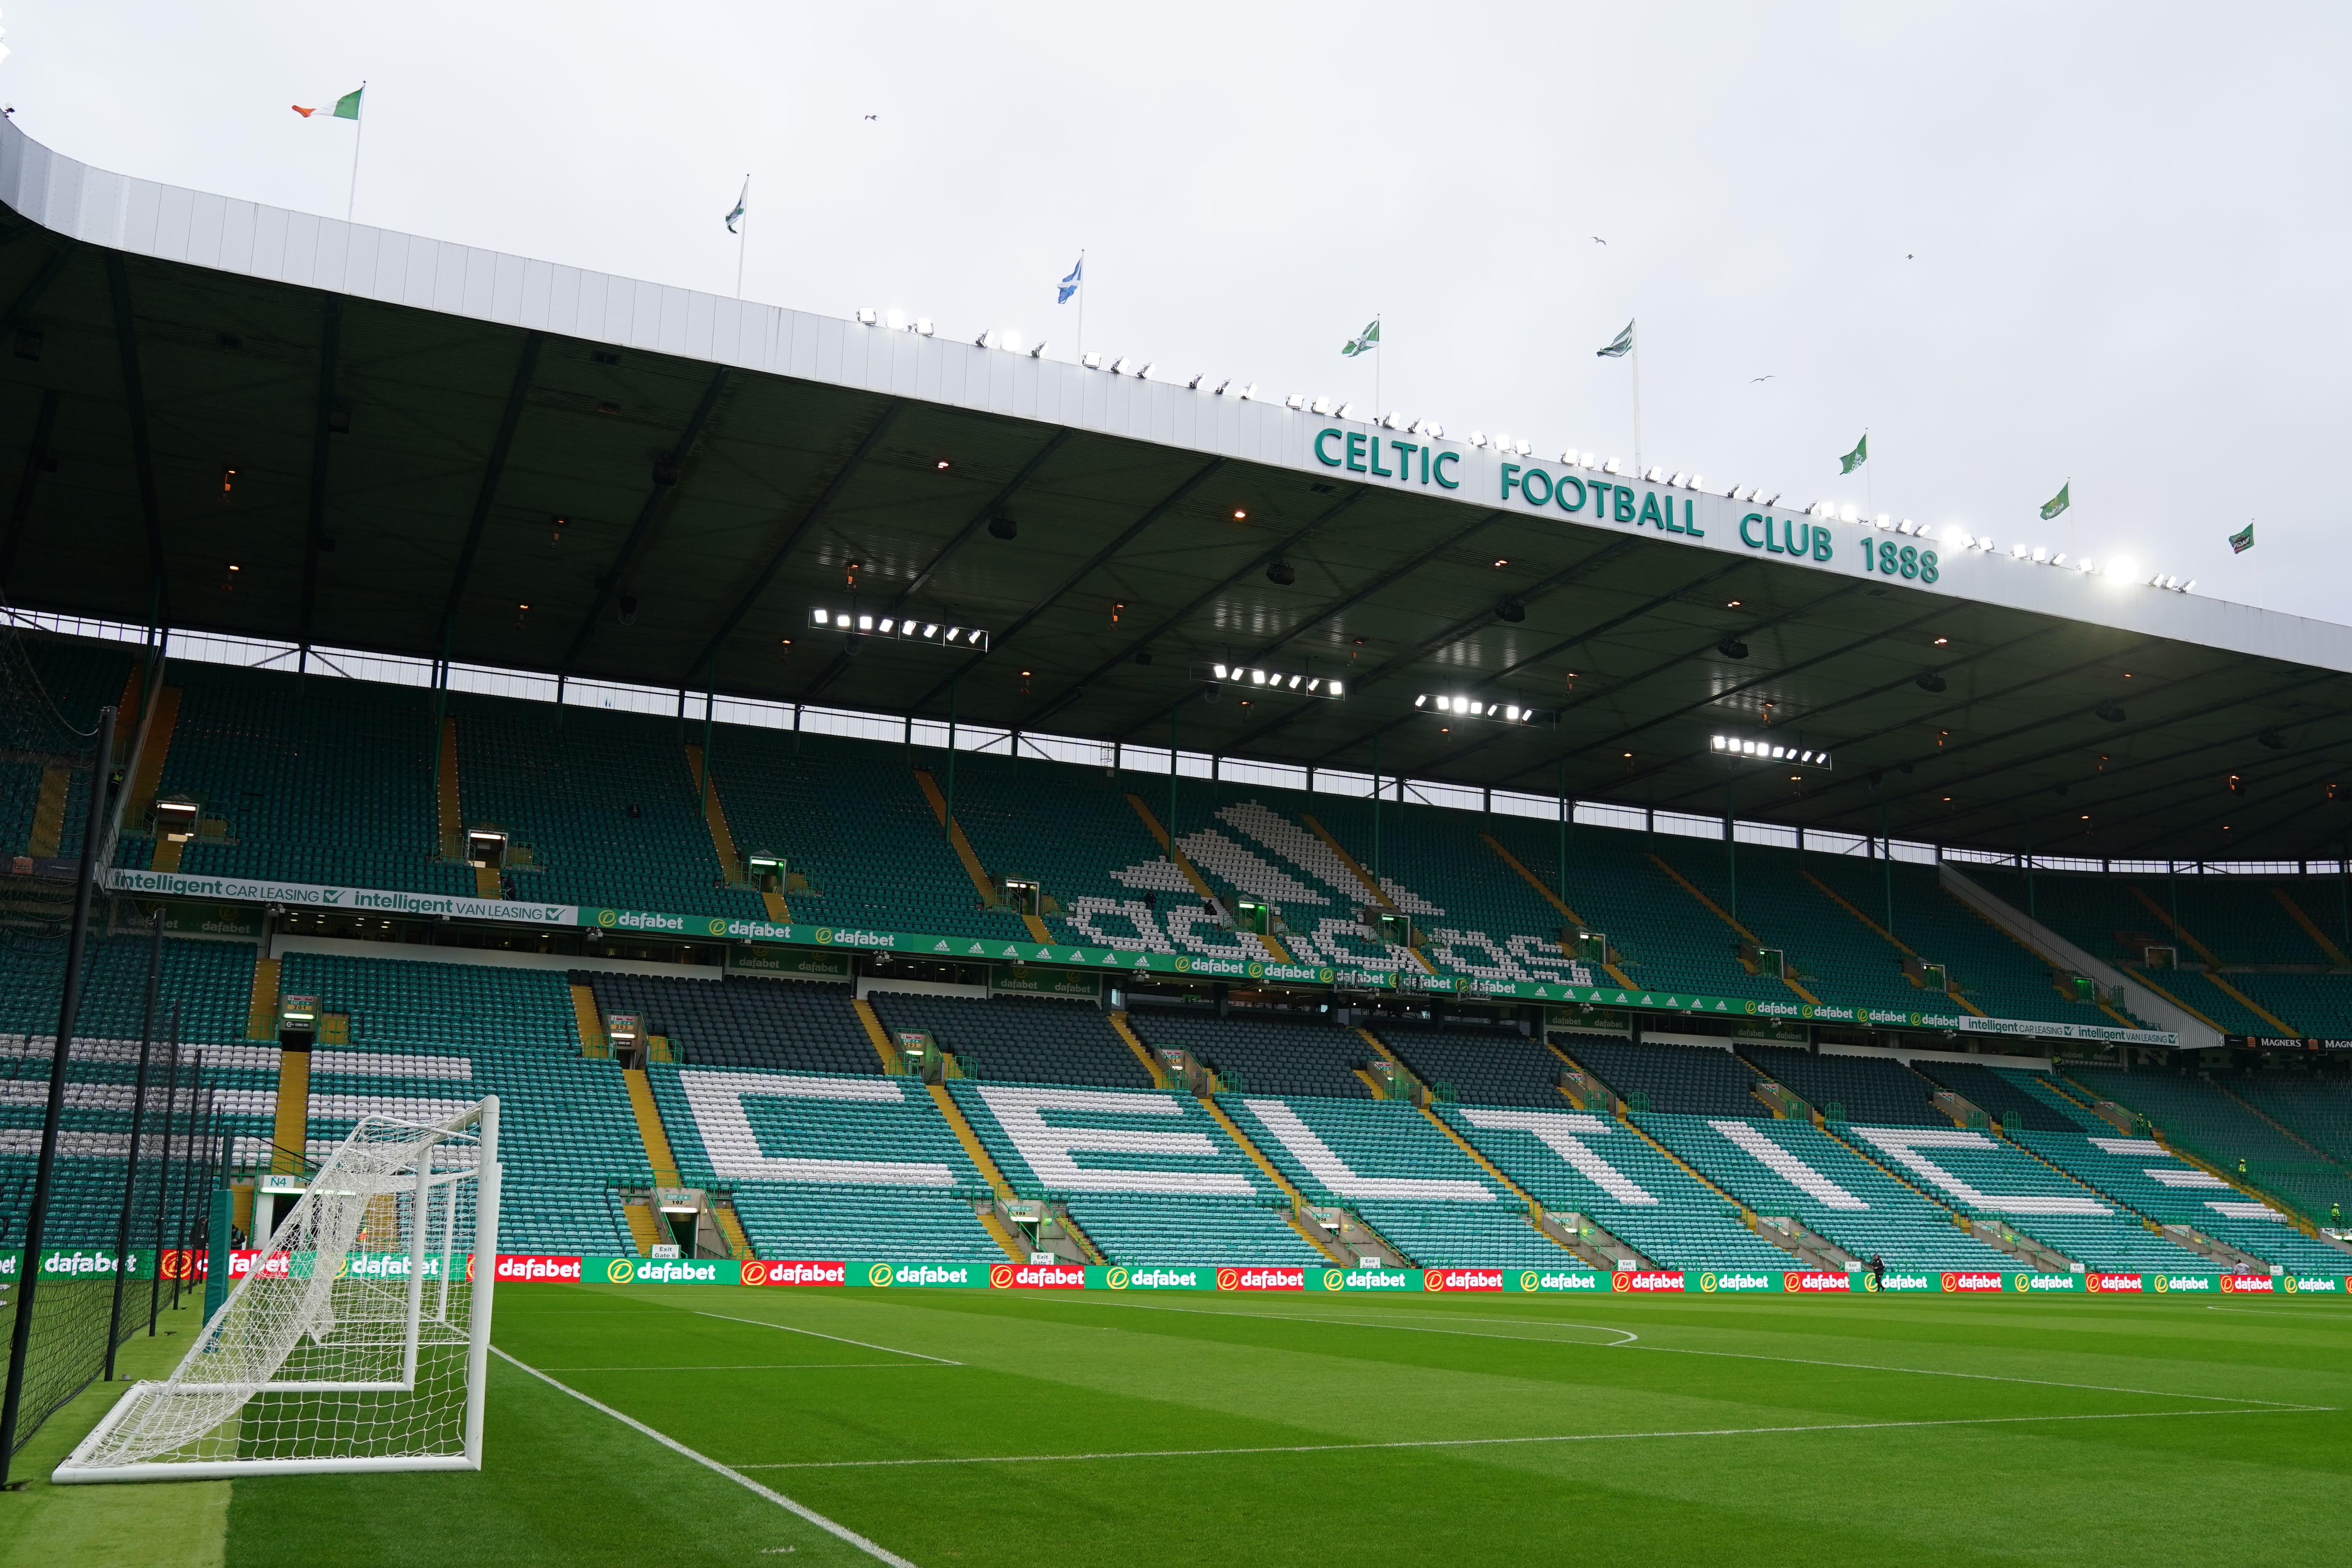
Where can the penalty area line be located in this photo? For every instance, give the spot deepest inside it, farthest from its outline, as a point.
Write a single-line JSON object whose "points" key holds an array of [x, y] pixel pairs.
{"points": [[1505, 1442], [836, 1338], [872, 1549]]}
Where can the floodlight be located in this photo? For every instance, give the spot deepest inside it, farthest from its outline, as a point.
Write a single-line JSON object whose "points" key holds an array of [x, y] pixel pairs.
{"points": [[1471, 708], [1698, 482], [1220, 670], [1569, 457], [1767, 752], [923, 326], [865, 317], [1521, 448], [1502, 442], [1587, 462], [1009, 341], [930, 629], [2040, 554], [1119, 365], [1145, 372], [1299, 683], [1654, 474], [1222, 384], [1819, 508], [1039, 352], [1347, 411], [1610, 467], [1198, 377], [1905, 526], [1675, 480], [1322, 406], [1477, 438], [1248, 394], [1294, 402], [866, 626], [1434, 432], [1092, 362], [981, 342], [897, 320]]}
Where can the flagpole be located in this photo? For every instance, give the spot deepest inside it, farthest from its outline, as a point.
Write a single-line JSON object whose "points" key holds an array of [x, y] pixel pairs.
{"points": [[1376, 369], [1637, 404], [1869, 490], [742, 234], [359, 121], [1082, 348]]}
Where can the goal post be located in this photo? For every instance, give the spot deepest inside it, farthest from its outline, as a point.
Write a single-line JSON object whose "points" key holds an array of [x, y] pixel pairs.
{"points": [[359, 1337]]}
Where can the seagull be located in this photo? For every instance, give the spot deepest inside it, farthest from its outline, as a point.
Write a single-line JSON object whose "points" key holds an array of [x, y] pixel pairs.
{"points": [[1598, 240], [1753, 380], [873, 117]]}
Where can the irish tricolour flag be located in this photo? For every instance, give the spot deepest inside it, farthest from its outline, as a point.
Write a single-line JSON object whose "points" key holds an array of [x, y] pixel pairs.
{"points": [[345, 108]]}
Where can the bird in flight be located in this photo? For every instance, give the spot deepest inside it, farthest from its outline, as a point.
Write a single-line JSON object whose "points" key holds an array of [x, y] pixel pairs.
{"points": [[873, 117], [1753, 380], [1598, 240]]}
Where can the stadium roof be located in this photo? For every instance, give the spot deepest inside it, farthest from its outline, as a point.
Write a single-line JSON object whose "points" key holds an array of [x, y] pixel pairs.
{"points": [[236, 418]]}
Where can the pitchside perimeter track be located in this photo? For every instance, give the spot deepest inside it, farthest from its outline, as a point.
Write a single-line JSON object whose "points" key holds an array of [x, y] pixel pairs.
{"points": [[729, 1426]]}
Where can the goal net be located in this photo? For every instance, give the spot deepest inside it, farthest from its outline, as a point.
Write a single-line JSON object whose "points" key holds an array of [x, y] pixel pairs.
{"points": [[357, 1336]]}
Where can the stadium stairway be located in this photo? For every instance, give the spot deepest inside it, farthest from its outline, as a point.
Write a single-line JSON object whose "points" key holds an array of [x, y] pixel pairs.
{"points": [[652, 1138], [884, 1046], [163, 855], [1519, 870], [982, 882], [1192, 874], [1124, 1027], [290, 1128], [722, 838], [1711, 907], [1902, 948], [448, 816]]}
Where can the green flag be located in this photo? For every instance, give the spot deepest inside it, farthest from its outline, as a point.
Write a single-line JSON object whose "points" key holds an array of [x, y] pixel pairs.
{"points": [[736, 214], [347, 106], [1365, 342], [1857, 457], [1619, 346], [2058, 502], [2243, 540]]}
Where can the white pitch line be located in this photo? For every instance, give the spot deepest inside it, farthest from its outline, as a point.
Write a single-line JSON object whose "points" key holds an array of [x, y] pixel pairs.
{"points": [[836, 1338], [1505, 1442], [753, 1367], [878, 1553], [1247, 1314]]}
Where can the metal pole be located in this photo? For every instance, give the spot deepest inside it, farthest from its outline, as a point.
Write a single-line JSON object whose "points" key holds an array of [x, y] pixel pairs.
{"points": [[131, 1176], [1887, 864], [2031, 912], [952, 758], [188, 1172], [1559, 787], [1172, 783], [1376, 816], [164, 1177], [1732, 849], [486, 1273], [60, 1057]]}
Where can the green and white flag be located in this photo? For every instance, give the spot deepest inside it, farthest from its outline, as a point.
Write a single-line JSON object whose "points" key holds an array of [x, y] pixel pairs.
{"points": [[2058, 502], [1857, 457], [1619, 346], [737, 215], [1365, 342], [2243, 540], [346, 108]]}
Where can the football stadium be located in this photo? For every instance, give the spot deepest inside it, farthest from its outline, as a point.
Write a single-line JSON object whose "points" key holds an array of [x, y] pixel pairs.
{"points": [[1217, 974]]}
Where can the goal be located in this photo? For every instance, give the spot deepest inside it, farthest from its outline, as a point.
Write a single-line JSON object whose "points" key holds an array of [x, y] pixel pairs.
{"points": [[358, 1335]]}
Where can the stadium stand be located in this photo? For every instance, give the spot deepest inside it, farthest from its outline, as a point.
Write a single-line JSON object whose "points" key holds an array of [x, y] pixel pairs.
{"points": [[1786, 1168], [861, 842], [1684, 1080], [311, 781], [1264, 1053], [1021, 1039], [1410, 1183], [1149, 1177], [828, 1166], [2144, 1174], [1997, 1092], [569, 1129], [2205, 1120], [1830, 952], [1480, 1063], [76, 678], [1599, 1168], [1879, 1090], [805, 1025], [1986, 1177]]}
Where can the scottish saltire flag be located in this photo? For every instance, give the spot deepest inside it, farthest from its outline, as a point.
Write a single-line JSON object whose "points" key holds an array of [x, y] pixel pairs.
{"points": [[1857, 457], [736, 217], [1619, 346], [2243, 540], [1069, 284], [2058, 502], [1365, 342], [345, 108]]}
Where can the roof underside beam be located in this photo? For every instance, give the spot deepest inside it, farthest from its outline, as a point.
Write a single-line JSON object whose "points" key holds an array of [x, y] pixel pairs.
{"points": [[142, 457], [314, 521], [1125, 538], [493, 470], [1078, 689], [20, 511], [996, 503], [666, 474]]}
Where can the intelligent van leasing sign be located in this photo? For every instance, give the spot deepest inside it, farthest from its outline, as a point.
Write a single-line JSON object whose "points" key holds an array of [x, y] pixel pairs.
{"points": [[1614, 501]]}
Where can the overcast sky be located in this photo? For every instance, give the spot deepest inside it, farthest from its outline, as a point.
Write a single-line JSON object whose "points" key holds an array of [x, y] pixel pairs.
{"points": [[2021, 245]]}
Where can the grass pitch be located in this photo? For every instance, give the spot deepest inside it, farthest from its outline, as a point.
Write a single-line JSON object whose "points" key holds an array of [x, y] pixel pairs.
{"points": [[987, 1428]]}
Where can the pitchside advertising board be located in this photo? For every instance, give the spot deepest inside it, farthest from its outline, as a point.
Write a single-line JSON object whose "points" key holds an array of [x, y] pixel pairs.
{"points": [[1248, 1279], [1023, 966]]}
